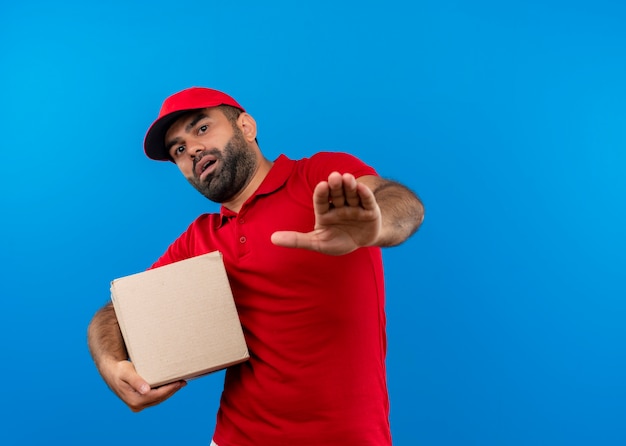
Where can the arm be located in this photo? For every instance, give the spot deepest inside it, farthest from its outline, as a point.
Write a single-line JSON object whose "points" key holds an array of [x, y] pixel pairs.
{"points": [[351, 213], [402, 212], [109, 353]]}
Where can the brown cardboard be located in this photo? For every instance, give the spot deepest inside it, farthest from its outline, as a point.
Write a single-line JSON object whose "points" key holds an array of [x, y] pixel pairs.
{"points": [[179, 321]]}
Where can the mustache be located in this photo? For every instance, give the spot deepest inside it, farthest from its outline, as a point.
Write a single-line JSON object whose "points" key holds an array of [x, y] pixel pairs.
{"points": [[198, 156]]}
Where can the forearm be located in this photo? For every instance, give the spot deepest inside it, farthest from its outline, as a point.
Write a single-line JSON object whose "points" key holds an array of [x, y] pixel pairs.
{"points": [[105, 338], [401, 210], [109, 353]]}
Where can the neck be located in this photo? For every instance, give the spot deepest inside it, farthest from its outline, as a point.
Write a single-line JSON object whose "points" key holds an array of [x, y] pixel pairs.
{"points": [[257, 178]]}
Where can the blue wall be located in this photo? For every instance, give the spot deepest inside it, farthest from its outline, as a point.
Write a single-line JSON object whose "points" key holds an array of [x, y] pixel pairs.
{"points": [[506, 311]]}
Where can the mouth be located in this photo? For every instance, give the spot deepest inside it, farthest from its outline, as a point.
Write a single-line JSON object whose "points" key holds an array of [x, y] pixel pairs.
{"points": [[205, 166]]}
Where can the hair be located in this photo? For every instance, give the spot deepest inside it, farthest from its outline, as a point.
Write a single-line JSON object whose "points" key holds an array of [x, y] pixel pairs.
{"points": [[232, 114]]}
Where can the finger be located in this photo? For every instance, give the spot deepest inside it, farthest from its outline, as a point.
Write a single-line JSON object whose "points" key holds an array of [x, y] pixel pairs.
{"points": [[337, 194], [366, 196], [321, 198], [164, 392], [350, 190], [155, 396], [130, 376], [293, 239]]}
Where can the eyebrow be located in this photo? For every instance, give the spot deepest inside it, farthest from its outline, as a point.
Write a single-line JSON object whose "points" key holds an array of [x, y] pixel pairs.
{"points": [[197, 118]]}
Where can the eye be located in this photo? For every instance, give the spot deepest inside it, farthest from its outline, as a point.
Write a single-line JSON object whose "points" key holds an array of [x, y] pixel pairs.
{"points": [[178, 150], [202, 129]]}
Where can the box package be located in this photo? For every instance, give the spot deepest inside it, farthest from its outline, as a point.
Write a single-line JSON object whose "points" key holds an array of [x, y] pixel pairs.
{"points": [[179, 321]]}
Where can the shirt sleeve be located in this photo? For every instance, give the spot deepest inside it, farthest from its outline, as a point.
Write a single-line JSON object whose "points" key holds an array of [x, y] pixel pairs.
{"points": [[323, 164], [175, 252]]}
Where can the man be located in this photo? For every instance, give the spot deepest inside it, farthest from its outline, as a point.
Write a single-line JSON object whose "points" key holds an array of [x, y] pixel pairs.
{"points": [[313, 317]]}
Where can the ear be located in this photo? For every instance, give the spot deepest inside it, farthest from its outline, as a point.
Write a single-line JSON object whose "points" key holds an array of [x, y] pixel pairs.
{"points": [[247, 125]]}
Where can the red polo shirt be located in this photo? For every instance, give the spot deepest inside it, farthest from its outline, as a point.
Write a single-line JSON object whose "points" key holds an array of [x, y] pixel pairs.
{"points": [[314, 324]]}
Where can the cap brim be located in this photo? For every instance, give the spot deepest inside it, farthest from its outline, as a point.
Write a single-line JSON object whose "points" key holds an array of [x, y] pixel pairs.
{"points": [[154, 143]]}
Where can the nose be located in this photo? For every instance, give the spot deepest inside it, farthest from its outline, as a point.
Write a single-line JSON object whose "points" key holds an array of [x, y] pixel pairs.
{"points": [[194, 148]]}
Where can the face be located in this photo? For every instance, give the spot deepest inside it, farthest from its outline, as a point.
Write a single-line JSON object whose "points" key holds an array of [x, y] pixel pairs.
{"points": [[212, 153]]}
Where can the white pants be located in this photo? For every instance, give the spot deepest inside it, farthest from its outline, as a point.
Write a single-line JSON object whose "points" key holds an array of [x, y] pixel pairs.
{"points": [[213, 443]]}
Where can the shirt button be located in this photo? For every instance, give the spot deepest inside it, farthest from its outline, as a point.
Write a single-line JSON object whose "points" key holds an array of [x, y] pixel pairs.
{"points": [[242, 221], [242, 240]]}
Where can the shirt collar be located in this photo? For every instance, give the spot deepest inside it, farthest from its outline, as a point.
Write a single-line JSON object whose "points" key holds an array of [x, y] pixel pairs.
{"points": [[274, 180]]}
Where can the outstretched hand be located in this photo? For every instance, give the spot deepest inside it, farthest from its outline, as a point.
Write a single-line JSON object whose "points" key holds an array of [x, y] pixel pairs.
{"points": [[347, 217]]}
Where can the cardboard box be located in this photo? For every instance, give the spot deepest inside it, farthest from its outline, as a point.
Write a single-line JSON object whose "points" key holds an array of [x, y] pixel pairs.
{"points": [[179, 321]]}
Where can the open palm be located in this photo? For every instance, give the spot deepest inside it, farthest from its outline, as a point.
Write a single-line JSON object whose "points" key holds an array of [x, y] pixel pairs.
{"points": [[347, 217]]}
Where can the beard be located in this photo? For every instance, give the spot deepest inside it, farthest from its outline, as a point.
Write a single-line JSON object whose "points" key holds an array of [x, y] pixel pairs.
{"points": [[237, 166]]}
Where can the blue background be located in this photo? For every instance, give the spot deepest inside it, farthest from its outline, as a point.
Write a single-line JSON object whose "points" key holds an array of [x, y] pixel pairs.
{"points": [[506, 311]]}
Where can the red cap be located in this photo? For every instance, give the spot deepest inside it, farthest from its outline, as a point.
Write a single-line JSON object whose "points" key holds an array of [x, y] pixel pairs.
{"points": [[173, 107]]}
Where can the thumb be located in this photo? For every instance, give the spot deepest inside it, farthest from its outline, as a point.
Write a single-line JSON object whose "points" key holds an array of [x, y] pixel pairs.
{"points": [[292, 239], [136, 382]]}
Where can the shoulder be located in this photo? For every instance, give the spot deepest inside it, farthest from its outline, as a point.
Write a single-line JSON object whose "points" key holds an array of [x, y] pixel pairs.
{"points": [[321, 164], [192, 241]]}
